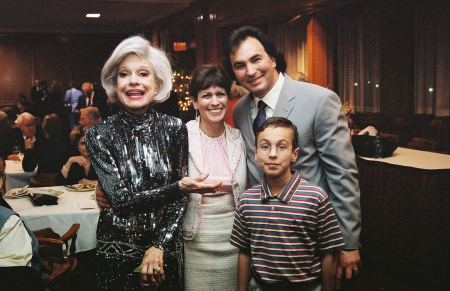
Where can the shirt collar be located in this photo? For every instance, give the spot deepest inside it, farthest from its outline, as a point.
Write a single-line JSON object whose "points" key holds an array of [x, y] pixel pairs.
{"points": [[288, 191], [271, 97], [33, 138]]}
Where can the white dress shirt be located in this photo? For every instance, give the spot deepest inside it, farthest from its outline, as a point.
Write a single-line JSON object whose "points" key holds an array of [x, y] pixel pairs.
{"points": [[270, 99], [33, 138]]}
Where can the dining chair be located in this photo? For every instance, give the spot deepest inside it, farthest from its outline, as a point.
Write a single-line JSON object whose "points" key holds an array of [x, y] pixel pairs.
{"points": [[43, 180], [392, 137], [421, 144], [59, 254]]}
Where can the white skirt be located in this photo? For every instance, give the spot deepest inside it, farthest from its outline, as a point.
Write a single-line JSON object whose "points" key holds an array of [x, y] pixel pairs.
{"points": [[210, 259]]}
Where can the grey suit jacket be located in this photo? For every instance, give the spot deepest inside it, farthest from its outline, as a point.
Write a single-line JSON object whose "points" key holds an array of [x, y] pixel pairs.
{"points": [[326, 156]]}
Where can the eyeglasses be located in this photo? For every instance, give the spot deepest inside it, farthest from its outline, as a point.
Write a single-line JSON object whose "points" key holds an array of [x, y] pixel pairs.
{"points": [[281, 149]]}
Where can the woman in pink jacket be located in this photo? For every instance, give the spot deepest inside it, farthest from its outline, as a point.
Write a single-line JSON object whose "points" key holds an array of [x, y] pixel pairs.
{"points": [[217, 150]]}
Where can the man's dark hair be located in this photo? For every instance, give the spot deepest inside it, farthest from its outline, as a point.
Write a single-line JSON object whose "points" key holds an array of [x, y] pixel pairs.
{"points": [[275, 122], [207, 76], [239, 35]]}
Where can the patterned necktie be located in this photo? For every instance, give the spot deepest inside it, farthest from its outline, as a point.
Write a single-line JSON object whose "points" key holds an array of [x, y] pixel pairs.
{"points": [[260, 117]]}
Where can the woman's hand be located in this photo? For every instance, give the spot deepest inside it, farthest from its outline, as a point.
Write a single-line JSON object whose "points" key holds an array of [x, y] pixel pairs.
{"points": [[152, 266], [29, 143], [79, 160], [196, 185], [84, 180]]}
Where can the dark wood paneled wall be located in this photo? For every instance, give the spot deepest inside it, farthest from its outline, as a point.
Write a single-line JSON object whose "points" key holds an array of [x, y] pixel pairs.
{"points": [[64, 58], [16, 71]]}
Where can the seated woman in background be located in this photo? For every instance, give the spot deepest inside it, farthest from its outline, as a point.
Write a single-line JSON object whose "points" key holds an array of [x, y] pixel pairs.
{"points": [[78, 168], [21, 105], [49, 153]]}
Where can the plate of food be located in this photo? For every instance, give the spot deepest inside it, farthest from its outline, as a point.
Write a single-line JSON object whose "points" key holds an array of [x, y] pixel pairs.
{"points": [[81, 187], [17, 193]]}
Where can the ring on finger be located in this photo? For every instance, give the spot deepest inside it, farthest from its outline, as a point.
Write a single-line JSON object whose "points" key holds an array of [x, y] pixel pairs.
{"points": [[157, 269]]}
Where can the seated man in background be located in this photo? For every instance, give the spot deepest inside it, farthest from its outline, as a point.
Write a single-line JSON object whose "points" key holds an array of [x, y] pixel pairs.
{"points": [[50, 152], [24, 137], [20, 265], [12, 116], [89, 116]]}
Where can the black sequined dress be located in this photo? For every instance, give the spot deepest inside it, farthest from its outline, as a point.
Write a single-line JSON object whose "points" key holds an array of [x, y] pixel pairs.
{"points": [[139, 161]]}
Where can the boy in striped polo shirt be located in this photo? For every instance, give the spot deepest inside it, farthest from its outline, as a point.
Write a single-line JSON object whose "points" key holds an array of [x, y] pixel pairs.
{"points": [[285, 228]]}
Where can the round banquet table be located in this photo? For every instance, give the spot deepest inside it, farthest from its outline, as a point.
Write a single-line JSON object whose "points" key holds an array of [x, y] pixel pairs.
{"points": [[70, 210], [15, 176]]}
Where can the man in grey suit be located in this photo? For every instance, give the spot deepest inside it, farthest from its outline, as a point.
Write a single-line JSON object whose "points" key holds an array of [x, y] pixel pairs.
{"points": [[326, 156]]}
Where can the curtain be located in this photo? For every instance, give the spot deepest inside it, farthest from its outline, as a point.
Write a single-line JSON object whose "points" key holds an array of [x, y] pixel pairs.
{"points": [[432, 67], [359, 60], [290, 38], [164, 40]]}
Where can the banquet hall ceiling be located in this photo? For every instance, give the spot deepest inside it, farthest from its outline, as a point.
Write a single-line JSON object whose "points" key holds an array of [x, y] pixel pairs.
{"points": [[69, 16], [125, 16]]}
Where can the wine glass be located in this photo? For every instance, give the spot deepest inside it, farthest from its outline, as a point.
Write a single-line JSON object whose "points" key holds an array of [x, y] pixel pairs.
{"points": [[16, 152]]}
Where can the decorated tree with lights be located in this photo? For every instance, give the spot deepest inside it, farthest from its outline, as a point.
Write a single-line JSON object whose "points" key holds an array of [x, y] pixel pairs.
{"points": [[180, 85]]}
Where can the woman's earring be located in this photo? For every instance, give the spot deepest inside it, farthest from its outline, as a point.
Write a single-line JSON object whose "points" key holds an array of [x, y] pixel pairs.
{"points": [[196, 114]]}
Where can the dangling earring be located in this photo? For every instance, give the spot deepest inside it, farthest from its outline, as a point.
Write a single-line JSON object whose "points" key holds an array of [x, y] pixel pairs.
{"points": [[197, 115]]}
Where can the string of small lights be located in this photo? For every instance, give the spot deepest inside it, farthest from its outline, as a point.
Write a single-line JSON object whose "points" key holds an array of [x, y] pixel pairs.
{"points": [[180, 85]]}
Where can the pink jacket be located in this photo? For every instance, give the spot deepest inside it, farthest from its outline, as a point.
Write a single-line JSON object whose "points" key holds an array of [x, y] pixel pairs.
{"points": [[238, 166]]}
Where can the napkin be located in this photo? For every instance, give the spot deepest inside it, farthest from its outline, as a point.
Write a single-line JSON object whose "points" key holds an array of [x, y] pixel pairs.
{"points": [[370, 129], [87, 204]]}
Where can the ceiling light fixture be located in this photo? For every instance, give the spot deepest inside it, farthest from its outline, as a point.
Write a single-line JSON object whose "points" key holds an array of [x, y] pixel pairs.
{"points": [[93, 15], [295, 18]]}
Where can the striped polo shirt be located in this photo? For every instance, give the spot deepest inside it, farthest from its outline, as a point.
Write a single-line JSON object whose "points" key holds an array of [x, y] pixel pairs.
{"points": [[286, 233]]}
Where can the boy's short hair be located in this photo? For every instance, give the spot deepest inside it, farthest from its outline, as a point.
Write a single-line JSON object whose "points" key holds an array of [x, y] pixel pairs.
{"points": [[279, 122]]}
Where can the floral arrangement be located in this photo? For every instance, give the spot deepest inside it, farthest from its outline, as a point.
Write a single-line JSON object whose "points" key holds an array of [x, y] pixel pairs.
{"points": [[348, 109]]}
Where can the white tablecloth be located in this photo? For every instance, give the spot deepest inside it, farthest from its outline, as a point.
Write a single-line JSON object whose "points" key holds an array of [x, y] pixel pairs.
{"points": [[61, 217], [416, 159], [15, 175]]}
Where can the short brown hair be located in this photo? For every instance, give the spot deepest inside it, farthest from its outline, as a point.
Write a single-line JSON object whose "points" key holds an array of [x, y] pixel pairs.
{"points": [[52, 125], [75, 136], [207, 76], [279, 122]]}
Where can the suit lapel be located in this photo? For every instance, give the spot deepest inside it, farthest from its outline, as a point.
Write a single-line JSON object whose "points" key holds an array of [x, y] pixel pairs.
{"points": [[284, 106], [245, 112]]}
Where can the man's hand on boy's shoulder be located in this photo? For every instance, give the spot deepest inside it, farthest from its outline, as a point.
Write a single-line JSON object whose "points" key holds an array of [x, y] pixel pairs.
{"points": [[349, 263]]}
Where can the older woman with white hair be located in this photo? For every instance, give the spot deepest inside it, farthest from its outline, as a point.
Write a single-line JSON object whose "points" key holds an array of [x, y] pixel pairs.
{"points": [[140, 157]]}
